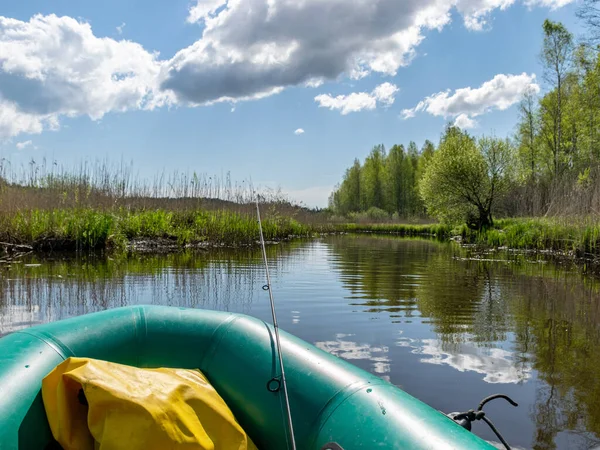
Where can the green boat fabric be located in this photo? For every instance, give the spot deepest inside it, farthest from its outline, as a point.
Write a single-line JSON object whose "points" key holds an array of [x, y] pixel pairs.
{"points": [[331, 400]]}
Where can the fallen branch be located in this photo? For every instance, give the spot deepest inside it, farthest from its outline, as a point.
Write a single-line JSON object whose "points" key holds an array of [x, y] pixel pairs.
{"points": [[16, 247]]}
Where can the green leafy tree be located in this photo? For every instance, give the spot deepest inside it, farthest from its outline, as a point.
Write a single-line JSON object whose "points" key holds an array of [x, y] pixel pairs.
{"points": [[584, 107], [427, 152], [410, 186], [556, 57], [465, 179], [527, 136], [393, 179], [346, 197], [372, 193], [351, 192]]}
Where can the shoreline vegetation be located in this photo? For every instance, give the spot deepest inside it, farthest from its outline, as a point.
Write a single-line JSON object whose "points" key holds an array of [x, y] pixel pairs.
{"points": [[164, 231], [48, 208], [102, 207], [578, 238], [89, 229]]}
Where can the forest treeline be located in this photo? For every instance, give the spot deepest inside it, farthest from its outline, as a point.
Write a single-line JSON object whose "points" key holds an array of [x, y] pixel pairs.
{"points": [[550, 166], [386, 183]]}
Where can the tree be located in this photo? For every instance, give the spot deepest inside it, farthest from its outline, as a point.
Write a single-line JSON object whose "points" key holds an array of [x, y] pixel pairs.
{"points": [[527, 134], [410, 173], [556, 57], [346, 197], [585, 104], [465, 179], [427, 152], [589, 12], [393, 180], [351, 192], [372, 179]]}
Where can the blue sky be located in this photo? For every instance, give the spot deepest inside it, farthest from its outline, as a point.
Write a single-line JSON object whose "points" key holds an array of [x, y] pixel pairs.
{"points": [[214, 86]]}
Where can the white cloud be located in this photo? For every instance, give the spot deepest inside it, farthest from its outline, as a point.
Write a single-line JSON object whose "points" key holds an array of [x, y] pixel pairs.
{"points": [[465, 122], [499, 93], [476, 12], [552, 4], [54, 66], [254, 48], [299, 131], [258, 47], [204, 9], [120, 28], [359, 101], [314, 82], [385, 93], [24, 144], [51, 67]]}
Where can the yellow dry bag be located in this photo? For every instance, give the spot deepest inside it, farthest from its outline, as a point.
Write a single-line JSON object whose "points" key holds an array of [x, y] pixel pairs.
{"points": [[107, 406]]}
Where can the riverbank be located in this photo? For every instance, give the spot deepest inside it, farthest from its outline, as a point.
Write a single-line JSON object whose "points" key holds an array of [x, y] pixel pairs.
{"points": [[148, 231], [88, 229], [437, 230], [577, 239]]}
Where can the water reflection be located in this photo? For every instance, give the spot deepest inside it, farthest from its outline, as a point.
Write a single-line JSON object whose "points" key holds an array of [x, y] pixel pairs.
{"points": [[424, 315], [33, 293], [497, 364], [347, 349], [504, 318]]}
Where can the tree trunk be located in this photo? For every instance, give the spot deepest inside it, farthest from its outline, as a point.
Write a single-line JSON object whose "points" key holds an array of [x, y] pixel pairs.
{"points": [[559, 122], [481, 221]]}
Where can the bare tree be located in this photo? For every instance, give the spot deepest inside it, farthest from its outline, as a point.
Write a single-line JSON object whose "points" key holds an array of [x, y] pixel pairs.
{"points": [[589, 13]]}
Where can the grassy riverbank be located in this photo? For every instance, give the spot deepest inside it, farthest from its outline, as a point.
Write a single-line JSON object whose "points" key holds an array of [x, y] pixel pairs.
{"points": [[84, 229], [87, 228], [579, 237], [103, 207], [437, 230]]}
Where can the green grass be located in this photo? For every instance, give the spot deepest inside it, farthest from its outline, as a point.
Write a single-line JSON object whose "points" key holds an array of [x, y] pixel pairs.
{"points": [[435, 229], [89, 229], [86, 228], [578, 235]]}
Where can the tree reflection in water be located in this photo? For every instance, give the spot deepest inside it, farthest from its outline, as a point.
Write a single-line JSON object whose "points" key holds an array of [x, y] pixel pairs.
{"points": [[513, 324]]}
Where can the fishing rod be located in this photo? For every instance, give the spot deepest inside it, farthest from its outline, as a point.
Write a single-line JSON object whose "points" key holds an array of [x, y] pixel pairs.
{"points": [[267, 287]]}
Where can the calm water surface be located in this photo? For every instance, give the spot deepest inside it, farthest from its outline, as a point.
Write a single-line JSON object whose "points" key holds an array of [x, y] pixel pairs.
{"points": [[448, 329]]}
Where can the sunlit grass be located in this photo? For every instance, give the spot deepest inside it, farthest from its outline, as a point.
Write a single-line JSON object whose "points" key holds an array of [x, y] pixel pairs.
{"points": [[89, 229], [435, 229], [101, 205], [580, 235]]}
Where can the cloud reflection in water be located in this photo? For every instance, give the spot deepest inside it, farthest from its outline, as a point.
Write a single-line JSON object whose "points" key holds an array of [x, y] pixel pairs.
{"points": [[345, 349], [497, 364]]}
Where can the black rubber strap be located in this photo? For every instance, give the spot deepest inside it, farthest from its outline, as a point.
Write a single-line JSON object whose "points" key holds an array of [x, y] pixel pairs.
{"points": [[332, 446]]}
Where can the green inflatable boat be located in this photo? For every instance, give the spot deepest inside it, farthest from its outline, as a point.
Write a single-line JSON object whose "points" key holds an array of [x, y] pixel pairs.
{"points": [[331, 400]]}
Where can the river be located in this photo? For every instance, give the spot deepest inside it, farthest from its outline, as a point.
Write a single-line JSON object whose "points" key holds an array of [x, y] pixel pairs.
{"points": [[446, 325]]}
